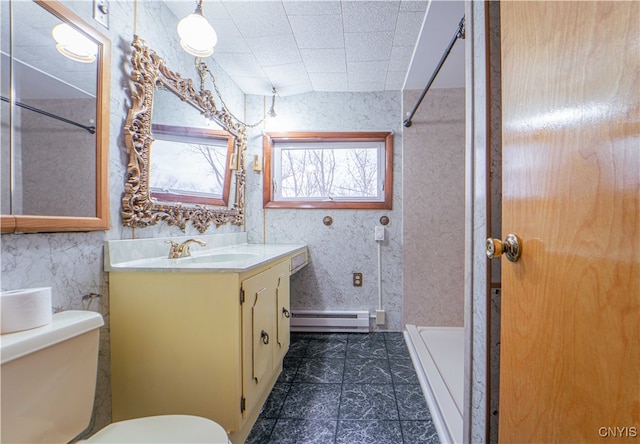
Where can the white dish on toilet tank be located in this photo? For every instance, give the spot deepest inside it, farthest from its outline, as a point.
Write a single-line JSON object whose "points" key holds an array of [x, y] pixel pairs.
{"points": [[24, 309]]}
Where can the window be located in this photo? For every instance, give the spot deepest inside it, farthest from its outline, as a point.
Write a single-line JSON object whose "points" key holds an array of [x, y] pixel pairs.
{"points": [[328, 170]]}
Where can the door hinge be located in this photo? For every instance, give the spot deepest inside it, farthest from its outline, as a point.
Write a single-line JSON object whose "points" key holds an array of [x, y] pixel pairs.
{"points": [[243, 404], [241, 296]]}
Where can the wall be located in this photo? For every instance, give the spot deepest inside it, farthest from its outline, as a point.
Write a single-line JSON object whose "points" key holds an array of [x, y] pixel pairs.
{"points": [[347, 246], [433, 209], [72, 263]]}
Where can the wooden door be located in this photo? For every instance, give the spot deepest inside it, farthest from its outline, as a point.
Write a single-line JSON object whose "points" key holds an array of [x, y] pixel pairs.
{"points": [[570, 330]]}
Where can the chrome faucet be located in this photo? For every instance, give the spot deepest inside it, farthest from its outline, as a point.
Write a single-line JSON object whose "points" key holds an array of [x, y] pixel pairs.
{"points": [[182, 250]]}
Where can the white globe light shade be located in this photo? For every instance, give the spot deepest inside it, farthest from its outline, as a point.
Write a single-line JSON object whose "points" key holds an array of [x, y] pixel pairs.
{"points": [[197, 36]]}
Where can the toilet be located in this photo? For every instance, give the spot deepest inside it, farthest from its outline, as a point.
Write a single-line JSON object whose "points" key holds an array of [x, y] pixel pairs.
{"points": [[48, 384]]}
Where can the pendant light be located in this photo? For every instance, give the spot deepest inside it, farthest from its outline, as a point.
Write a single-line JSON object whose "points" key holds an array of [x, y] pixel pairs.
{"points": [[197, 36]]}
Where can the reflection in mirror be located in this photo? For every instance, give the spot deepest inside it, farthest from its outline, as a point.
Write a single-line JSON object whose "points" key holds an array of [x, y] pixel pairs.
{"points": [[182, 119], [190, 165], [54, 120]]}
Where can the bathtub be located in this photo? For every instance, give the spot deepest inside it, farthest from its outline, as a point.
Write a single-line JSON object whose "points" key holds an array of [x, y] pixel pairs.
{"points": [[438, 357]]}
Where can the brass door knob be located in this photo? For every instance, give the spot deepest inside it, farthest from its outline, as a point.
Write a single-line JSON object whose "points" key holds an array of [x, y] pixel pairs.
{"points": [[511, 247]]}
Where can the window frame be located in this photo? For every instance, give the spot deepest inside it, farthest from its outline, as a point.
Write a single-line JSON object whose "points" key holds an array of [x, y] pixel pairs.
{"points": [[270, 141]]}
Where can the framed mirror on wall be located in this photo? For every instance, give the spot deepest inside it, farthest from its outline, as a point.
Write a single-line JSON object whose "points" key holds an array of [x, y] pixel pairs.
{"points": [[186, 156], [55, 120]]}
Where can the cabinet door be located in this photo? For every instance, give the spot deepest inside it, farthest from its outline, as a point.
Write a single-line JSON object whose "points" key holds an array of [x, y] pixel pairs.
{"points": [[259, 334], [282, 312]]}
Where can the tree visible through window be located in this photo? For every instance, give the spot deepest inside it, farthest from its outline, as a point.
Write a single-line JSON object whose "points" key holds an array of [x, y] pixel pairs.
{"points": [[328, 170]]}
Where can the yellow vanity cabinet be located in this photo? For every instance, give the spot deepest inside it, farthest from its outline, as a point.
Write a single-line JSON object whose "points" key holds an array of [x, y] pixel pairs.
{"points": [[200, 343]]}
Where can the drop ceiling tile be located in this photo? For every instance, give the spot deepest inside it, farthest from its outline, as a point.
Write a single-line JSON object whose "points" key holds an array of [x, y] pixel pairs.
{"points": [[408, 28], [292, 89], [367, 46], [297, 7], [317, 31], [258, 18], [366, 86], [413, 5], [395, 80], [212, 10], [244, 65], [275, 49], [254, 85], [364, 16], [400, 58], [366, 72], [234, 46], [225, 28], [324, 60], [292, 73], [329, 81], [303, 42]]}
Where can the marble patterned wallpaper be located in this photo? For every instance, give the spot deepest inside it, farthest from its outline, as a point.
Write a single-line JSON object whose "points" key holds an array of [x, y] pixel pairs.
{"points": [[72, 263], [347, 246], [433, 209]]}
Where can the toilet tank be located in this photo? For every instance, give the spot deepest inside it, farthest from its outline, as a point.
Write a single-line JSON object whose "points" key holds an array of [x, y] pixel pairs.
{"points": [[49, 378]]}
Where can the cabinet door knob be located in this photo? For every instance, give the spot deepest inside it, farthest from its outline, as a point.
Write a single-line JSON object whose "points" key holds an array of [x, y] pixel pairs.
{"points": [[286, 313], [265, 337]]}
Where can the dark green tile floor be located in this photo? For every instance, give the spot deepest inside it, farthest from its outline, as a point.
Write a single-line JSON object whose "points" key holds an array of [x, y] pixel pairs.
{"points": [[347, 388]]}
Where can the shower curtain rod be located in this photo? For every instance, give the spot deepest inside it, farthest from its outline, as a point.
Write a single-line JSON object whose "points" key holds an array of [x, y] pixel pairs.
{"points": [[458, 35], [91, 129]]}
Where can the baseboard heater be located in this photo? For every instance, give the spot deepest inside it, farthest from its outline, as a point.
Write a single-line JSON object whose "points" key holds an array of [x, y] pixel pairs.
{"points": [[329, 321]]}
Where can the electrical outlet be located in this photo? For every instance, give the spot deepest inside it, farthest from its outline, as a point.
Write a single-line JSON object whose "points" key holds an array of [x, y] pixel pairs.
{"points": [[380, 315], [357, 279]]}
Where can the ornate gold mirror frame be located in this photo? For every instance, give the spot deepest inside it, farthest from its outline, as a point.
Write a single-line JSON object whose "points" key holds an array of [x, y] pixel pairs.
{"points": [[139, 209]]}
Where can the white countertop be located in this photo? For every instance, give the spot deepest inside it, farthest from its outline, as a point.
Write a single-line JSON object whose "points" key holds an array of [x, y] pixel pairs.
{"points": [[223, 253]]}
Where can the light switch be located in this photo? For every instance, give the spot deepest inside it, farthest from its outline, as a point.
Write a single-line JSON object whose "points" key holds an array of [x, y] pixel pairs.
{"points": [[101, 12], [257, 162]]}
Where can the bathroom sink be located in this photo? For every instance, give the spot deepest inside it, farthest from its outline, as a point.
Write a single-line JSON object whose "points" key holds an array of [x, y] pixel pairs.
{"points": [[221, 257]]}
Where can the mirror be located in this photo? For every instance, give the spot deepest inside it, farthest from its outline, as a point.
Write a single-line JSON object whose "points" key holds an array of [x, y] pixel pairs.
{"points": [[168, 115], [55, 120], [190, 164]]}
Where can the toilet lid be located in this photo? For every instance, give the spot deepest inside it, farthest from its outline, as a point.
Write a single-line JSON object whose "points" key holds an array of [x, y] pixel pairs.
{"points": [[181, 429]]}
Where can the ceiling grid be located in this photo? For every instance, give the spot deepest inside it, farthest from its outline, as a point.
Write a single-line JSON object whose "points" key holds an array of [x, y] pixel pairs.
{"points": [[299, 46]]}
